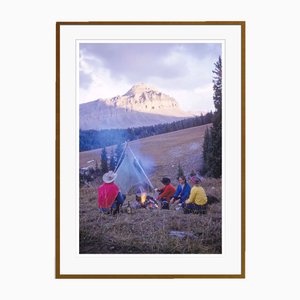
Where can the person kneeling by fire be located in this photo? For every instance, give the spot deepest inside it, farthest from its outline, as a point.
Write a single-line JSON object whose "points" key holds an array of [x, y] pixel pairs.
{"points": [[109, 197], [166, 193], [197, 201]]}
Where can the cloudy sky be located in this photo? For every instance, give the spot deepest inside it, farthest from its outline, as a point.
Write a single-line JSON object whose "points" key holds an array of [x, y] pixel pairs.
{"points": [[181, 70]]}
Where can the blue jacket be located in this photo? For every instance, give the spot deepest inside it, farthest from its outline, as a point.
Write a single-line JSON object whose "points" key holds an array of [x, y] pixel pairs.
{"points": [[183, 193]]}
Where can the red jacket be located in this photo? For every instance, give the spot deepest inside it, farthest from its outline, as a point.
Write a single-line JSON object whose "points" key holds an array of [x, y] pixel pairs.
{"points": [[107, 193], [167, 192]]}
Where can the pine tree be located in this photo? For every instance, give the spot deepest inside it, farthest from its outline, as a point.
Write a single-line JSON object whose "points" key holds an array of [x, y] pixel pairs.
{"points": [[207, 152], [217, 80], [216, 130], [212, 146], [97, 169], [180, 171], [112, 161], [104, 166], [119, 153]]}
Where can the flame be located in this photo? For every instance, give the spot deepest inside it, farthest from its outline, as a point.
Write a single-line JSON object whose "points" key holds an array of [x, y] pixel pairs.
{"points": [[143, 197]]}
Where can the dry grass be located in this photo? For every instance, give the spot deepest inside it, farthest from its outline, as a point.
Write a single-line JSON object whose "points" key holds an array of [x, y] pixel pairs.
{"points": [[164, 150], [148, 231]]}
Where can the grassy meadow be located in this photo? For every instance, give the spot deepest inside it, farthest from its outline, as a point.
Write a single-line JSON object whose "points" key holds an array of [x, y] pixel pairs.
{"points": [[155, 231]]}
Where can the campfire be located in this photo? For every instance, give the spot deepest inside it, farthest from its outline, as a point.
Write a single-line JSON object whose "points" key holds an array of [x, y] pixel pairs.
{"points": [[146, 201]]}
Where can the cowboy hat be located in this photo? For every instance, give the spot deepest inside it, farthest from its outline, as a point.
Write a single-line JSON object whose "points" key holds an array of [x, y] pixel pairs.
{"points": [[109, 177]]}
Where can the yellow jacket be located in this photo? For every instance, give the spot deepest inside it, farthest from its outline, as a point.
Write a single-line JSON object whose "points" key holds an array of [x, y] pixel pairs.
{"points": [[197, 196]]}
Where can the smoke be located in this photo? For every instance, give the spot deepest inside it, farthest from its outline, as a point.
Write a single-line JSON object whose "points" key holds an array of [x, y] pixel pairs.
{"points": [[145, 161], [133, 172]]}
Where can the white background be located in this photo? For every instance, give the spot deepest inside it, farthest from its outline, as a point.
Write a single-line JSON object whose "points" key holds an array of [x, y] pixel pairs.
{"points": [[28, 151]]}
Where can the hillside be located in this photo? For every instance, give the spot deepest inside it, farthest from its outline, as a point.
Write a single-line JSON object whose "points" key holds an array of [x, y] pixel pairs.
{"points": [[154, 231], [165, 151]]}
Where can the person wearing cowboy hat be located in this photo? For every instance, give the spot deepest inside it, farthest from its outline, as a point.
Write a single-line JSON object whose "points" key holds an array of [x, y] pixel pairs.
{"points": [[109, 197], [197, 201], [166, 193]]}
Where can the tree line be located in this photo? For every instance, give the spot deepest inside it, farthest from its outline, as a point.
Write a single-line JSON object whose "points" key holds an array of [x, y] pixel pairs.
{"points": [[94, 139], [212, 145]]}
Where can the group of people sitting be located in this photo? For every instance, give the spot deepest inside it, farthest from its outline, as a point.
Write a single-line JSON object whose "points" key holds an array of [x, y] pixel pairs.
{"points": [[190, 199]]}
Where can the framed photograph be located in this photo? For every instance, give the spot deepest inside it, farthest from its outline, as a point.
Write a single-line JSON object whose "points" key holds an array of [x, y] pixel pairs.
{"points": [[150, 149]]}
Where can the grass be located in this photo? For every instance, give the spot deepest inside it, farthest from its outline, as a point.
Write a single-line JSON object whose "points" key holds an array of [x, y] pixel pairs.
{"points": [[148, 231]]}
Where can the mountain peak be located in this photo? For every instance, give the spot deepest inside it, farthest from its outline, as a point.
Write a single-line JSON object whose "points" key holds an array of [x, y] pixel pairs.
{"points": [[142, 105], [140, 88]]}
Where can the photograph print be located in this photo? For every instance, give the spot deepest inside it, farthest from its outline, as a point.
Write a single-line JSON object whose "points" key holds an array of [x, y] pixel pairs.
{"points": [[150, 147]]}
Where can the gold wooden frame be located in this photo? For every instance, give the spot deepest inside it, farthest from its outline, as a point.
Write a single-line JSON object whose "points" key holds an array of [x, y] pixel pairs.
{"points": [[243, 157]]}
